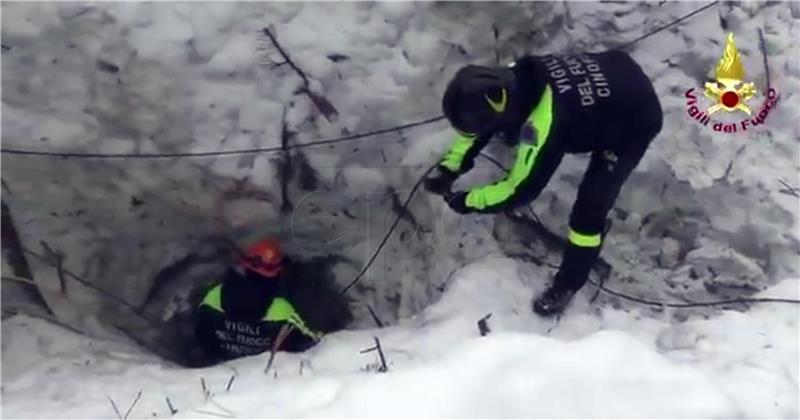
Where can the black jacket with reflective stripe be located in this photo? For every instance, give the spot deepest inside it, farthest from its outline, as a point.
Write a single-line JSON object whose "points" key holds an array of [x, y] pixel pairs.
{"points": [[599, 102], [243, 314]]}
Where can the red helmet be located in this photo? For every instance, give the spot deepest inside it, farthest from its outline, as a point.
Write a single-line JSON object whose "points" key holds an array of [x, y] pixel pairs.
{"points": [[264, 257]]}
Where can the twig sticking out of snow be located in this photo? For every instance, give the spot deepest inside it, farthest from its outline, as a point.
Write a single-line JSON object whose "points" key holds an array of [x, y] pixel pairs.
{"points": [[209, 398], [374, 316], [206, 393], [763, 47], [114, 406], [230, 383], [383, 367], [483, 326], [172, 410], [133, 404], [558, 318], [730, 164], [282, 335], [303, 364], [788, 189], [130, 408], [323, 105]]}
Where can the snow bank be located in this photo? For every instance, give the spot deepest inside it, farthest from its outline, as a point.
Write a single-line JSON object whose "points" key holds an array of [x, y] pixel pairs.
{"points": [[603, 363]]}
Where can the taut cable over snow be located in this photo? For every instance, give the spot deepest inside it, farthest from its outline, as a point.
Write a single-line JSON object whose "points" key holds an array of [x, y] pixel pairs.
{"points": [[249, 151], [667, 26]]}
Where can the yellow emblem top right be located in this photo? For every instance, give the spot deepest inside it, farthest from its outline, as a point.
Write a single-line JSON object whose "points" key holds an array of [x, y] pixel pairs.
{"points": [[729, 91]]}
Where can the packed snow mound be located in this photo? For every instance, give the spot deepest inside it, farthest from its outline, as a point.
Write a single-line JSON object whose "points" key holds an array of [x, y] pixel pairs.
{"points": [[605, 362], [703, 217]]}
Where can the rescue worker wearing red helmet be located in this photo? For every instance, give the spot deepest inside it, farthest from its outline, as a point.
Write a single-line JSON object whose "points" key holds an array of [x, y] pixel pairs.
{"points": [[545, 107], [243, 314]]}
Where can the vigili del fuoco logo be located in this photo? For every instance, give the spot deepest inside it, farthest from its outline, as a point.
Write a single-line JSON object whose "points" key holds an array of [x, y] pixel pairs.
{"points": [[730, 94]]}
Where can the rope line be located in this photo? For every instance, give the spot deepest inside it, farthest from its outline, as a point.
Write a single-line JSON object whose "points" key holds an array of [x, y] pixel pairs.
{"points": [[389, 231], [667, 26], [254, 150], [692, 304], [103, 292]]}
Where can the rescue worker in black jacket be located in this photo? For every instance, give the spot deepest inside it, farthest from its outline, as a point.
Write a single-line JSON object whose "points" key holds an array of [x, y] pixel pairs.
{"points": [[243, 314], [546, 106]]}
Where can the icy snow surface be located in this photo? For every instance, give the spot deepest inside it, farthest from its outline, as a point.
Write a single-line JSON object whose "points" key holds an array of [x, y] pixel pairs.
{"points": [[703, 217]]}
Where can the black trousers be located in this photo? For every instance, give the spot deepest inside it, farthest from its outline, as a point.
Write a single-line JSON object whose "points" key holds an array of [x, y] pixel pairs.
{"points": [[608, 170]]}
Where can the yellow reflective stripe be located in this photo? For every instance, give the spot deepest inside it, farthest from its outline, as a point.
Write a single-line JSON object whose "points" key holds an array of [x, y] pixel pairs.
{"points": [[488, 195], [279, 310], [213, 298], [458, 149], [282, 311], [542, 120], [585, 241]]}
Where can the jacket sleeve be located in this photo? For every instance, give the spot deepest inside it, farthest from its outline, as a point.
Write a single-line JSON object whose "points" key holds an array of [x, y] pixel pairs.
{"points": [[537, 158], [460, 157]]}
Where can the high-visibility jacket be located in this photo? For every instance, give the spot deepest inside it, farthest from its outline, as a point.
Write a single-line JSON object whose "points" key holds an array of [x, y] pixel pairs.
{"points": [[230, 325], [569, 104]]}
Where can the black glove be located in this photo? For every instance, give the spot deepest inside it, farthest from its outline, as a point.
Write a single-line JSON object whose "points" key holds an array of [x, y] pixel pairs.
{"points": [[440, 181], [457, 202]]}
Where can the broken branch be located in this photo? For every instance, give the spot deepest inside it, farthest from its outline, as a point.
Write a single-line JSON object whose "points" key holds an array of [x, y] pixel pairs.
{"points": [[384, 367], [230, 382], [206, 392], [374, 317], [323, 105], [172, 409], [483, 326], [133, 404], [114, 406], [282, 335], [788, 189]]}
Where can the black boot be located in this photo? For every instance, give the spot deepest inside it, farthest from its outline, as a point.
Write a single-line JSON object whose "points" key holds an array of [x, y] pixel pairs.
{"points": [[553, 300], [576, 263]]}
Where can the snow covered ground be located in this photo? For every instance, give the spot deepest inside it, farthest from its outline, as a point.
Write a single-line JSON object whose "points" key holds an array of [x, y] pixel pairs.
{"points": [[594, 362], [703, 217]]}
